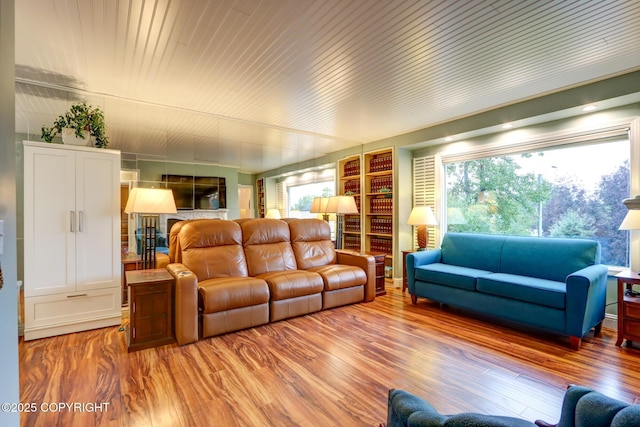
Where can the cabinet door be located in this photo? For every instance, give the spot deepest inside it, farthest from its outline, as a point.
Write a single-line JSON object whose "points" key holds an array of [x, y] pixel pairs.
{"points": [[49, 221], [98, 214]]}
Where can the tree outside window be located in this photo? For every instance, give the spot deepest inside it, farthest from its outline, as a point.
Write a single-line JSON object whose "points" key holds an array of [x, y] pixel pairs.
{"points": [[568, 192]]}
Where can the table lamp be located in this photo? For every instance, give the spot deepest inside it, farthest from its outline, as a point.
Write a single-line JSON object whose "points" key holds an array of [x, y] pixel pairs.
{"points": [[341, 206], [273, 214], [422, 216], [319, 206], [150, 203], [632, 222]]}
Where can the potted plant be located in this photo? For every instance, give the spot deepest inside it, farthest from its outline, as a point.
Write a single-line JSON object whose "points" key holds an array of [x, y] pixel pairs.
{"points": [[80, 120]]}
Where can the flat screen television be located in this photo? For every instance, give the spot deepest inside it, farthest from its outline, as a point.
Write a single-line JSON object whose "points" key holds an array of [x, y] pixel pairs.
{"points": [[200, 192]]}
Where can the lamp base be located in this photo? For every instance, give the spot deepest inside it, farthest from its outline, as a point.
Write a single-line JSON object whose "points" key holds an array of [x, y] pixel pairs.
{"points": [[423, 237], [149, 226]]}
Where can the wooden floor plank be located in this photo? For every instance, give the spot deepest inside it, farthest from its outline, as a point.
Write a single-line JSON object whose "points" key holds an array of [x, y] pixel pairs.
{"points": [[330, 368]]}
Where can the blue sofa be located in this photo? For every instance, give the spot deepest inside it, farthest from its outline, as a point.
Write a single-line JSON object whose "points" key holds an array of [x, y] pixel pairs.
{"points": [[580, 407], [554, 284]]}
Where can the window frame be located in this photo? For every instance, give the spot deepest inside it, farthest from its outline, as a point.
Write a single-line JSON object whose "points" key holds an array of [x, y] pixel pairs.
{"points": [[525, 140]]}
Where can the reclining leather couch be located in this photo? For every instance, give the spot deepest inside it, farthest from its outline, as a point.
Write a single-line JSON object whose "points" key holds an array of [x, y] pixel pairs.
{"points": [[232, 275]]}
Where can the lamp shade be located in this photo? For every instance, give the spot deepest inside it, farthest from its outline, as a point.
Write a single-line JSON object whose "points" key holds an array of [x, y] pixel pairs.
{"points": [[150, 201], [631, 221], [342, 205], [422, 215], [273, 214], [319, 205], [632, 202]]}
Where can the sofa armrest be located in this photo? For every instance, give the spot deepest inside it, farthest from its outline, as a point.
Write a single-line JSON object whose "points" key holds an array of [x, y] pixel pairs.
{"points": [[586, 294], [403, 406], [185, 303], [415, 259], [583, 406], [365, 262]]}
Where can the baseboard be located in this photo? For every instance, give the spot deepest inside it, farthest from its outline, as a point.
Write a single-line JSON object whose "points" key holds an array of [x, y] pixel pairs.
{"points": [[610, 321]]}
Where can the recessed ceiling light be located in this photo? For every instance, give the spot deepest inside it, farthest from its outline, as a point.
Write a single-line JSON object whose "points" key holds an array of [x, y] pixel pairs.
{"points": [[590, 107], [507, 126]]}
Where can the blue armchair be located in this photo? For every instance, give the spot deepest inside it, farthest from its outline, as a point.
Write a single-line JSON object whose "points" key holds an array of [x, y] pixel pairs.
{"points": [[161, 242], [580, 407]]}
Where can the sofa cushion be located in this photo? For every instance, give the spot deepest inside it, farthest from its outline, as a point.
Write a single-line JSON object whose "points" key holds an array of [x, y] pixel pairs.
{"points": [[311, 243], [529, 289], [477, 251], [547, 258], [339, 276], [629, 416], [266, 246], [450, 275], [402, 405], [597, 410], [212, 248], [232, 292], [292, 283]]}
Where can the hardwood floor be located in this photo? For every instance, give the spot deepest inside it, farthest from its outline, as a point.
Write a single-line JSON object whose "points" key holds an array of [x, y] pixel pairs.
{"points": [[331, 368]]}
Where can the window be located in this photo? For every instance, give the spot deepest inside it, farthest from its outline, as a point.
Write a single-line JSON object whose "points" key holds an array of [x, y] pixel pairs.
{"points": [[301, 196], [568, 191], [294, 193]]}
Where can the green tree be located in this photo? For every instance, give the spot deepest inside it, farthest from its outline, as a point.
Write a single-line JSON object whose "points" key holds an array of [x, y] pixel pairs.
{"points": [[607, 208], [573, 224], [514, 198], [565, 195], [303, 204]]}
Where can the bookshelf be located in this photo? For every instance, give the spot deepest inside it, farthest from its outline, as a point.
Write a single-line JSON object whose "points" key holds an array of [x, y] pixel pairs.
{"points": [[378, 203], [350, 181], [260, 193]]}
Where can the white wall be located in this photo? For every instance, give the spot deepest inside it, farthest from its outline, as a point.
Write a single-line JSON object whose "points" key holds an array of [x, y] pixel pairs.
{"points": [[10, 390]]}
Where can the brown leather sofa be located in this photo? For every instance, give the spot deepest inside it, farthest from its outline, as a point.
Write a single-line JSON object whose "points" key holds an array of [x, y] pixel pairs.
{"points": [[232, 275]]}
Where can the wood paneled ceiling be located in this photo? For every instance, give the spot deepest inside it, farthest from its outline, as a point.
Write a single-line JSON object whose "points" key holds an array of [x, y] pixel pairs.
{"points": [[258, 84]]}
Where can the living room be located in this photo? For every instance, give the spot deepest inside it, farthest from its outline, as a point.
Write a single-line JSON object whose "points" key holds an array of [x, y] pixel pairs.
{"points": [[543, 115]]}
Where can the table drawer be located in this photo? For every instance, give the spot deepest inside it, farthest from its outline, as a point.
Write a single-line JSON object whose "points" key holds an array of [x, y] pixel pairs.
{"points": [[632, 311], [153, 288], [631, 328]]}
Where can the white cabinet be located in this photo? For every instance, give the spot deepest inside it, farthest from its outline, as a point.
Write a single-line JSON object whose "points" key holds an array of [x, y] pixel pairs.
{"points": [[71, 239]]}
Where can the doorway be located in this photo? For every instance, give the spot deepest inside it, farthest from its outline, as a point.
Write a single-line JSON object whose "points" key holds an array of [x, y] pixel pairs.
{"points": [[245, 197]]}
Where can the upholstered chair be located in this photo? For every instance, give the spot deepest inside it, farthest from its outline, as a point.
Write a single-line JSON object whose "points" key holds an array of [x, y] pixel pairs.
{"points": [[581, 407]]}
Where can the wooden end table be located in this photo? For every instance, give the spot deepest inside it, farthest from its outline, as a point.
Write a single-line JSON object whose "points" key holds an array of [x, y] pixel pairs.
{"points": [[380, 280], [150, 308], [628, 307]]}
